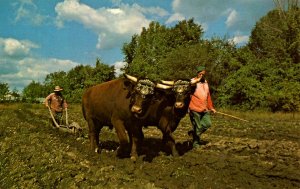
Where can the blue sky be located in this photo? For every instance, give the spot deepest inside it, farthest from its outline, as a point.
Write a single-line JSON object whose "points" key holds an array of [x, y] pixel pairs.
{"points": [[38, 37]]}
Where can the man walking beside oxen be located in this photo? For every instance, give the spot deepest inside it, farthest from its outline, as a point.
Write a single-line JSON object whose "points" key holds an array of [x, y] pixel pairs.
{"points": [[200, 107]]}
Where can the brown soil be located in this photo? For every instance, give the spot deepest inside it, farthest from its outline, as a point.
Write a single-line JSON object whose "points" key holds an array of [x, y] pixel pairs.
{"points": [[261, 153]]}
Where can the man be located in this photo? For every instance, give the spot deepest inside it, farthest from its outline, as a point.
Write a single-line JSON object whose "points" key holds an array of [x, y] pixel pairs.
{"points": [[200, 106], [57, 104]]}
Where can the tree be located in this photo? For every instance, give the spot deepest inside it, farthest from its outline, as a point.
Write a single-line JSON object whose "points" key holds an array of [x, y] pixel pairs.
{"points": [[81, 77], [277, 35], [181, 63], [33, 91], [275, 41], [144, 54], [244, 89], [101, 73], [54, 79], [4, 89]]}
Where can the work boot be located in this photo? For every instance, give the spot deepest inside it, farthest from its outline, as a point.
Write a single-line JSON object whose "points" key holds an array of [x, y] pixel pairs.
{"points": [[196, 144], [196, 140]]}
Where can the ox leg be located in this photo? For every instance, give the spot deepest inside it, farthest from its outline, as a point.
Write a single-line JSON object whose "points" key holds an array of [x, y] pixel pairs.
{"points": [[166, 125], [137, 136], [121, 133], [133, 153], [94, 136], [170, 143]]}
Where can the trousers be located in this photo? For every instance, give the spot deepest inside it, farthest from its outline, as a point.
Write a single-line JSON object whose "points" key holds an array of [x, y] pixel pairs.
{"points": [[201, 122]]}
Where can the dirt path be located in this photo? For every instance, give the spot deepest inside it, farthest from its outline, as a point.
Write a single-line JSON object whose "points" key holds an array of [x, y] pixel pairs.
{"points": [[263, 153]]}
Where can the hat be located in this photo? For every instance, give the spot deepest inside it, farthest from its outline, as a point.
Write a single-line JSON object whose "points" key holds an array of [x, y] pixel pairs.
{"points": [[57, 88], [200, 68]]}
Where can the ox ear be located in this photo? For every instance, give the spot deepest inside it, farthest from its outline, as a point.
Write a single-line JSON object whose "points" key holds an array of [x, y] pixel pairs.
{"points": [[129, 83], [128, 86]]}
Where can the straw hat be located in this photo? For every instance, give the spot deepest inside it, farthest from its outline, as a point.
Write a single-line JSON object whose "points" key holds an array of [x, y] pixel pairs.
{"points": [[57, 88]]}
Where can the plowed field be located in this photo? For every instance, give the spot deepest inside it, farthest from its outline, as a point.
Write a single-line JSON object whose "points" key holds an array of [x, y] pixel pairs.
{"points": [[261, 153]]}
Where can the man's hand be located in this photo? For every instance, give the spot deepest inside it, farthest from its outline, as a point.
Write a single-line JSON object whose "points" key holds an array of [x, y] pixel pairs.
{"points": [[213, 110], [195, 80]]}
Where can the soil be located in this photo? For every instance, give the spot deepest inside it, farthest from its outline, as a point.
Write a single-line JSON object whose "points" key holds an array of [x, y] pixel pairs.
{"points": [[261, 153]]}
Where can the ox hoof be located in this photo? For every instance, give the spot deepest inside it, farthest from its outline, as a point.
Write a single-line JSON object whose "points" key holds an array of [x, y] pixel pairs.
{"points": [[97, 150], [133, 158], [121, 152], [175, 153]]}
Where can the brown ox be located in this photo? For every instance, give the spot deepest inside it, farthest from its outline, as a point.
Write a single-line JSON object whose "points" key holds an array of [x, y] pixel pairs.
{"points": [[118, 103]]}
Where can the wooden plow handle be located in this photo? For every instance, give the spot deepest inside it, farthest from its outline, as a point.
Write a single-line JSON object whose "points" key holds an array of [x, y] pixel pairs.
{"points": [[53, 119]]}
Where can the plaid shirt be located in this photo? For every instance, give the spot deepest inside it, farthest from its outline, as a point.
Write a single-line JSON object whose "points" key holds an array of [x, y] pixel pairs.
{"points": [[57, 102]]}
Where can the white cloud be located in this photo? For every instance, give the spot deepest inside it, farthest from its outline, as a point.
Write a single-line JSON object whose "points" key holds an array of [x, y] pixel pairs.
{"points": [[175, 17], [10, 47], [232, 18], [114, 26], [237, 14], [26, 9], [18, 67], [240, 39], [151, 10], [34, 69], [203, 11], [118, 67]]}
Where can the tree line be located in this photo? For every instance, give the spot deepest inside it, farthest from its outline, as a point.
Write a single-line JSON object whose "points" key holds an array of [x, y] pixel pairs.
{"points": [[262, 74]]}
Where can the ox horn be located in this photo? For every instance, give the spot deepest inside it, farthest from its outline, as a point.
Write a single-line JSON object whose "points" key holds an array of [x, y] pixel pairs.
{"points": [[168, 82], [162, 86], [132, 78]]}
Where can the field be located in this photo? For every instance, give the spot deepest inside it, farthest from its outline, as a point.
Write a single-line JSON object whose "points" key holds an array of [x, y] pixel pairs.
{"points": [[261, 153]]}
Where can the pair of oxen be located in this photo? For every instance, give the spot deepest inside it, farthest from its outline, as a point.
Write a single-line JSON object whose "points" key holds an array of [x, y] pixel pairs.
{"points": [[129, 104]]}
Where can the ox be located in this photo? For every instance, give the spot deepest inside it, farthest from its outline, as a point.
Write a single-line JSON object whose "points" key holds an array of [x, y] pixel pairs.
{"points": [[166, 111], [118, 104]]}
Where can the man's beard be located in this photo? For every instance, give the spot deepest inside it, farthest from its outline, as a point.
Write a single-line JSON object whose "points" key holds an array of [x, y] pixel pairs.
{"points": [[202, 80]]}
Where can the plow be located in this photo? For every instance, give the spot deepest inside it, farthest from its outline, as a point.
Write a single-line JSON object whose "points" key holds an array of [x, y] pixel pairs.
{"points": [[73, 128]]}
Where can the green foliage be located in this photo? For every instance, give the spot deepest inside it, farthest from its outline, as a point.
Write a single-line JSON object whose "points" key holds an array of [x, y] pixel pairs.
{"points": [[283, 94], [33, 91], [277, 35], [4, 89], [260, 84], [82, 77], [222, 62], [242, 90], [181, 63], [145, 52], [54, 79]]}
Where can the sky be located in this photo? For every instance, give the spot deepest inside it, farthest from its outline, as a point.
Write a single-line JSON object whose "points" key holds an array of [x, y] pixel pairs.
{"points": [[39, 37]]}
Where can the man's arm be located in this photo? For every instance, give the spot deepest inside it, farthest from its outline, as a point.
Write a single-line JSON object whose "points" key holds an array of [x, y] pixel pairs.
{"points": [[47, 99]]}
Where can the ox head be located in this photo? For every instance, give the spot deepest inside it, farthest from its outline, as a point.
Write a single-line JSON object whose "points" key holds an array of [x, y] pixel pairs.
{"points": [[140, 95], [182, 89]]}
